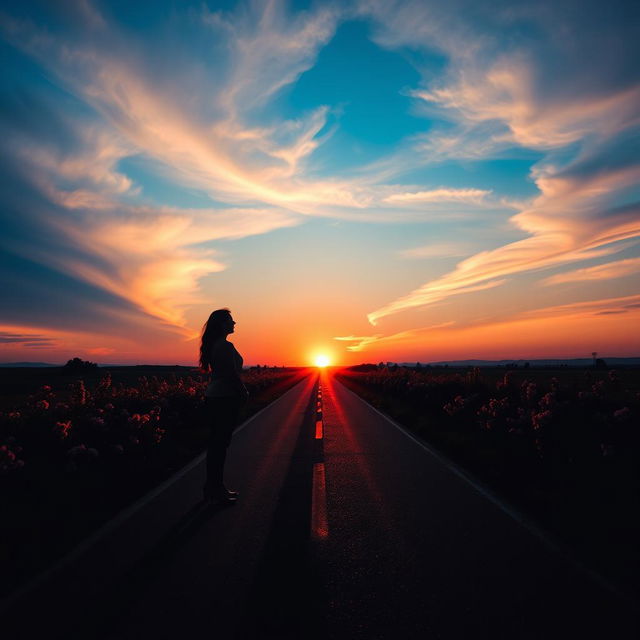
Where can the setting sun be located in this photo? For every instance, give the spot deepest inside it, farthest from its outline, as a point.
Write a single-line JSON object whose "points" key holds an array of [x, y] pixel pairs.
{"points": [[322, 361]]}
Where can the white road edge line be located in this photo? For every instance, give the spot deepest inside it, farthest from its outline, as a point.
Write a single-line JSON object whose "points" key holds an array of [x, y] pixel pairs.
{"points": [[516, 515]]}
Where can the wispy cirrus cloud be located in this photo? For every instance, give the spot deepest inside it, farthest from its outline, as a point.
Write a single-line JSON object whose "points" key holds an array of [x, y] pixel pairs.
{"points": [[362, 342], [153, 256], [270, 49], [433, 292], [219, 149], [609, 271], [213, 141], [492, 98], [225, 149], [470, 196], [561, 243], [27, 340], [433, 337], [148, 255], [621, 304], [158, 252]]}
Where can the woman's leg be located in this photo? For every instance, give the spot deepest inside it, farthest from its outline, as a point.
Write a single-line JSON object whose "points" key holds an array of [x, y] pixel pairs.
{"points": [[222, 415]]}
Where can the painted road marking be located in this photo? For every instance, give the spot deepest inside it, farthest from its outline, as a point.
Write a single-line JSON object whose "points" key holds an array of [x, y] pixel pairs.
{"points": [[319, 417], [319, 522]]}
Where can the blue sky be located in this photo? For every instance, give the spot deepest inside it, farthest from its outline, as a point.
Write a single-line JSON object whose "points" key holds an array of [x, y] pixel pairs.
{"points": [[376, 180]]}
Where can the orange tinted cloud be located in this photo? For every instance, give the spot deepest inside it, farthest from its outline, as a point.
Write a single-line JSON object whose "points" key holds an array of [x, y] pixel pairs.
{"points": [[101, 351], [617, 269], [570, 330], [496, 100], [157, 253], [566, 224]]}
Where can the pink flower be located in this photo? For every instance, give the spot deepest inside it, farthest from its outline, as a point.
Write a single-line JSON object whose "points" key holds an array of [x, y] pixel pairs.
{"points": [[137, 420], [8, 460], [530, 390], [548, 400], [62, 429], [541, 419], [42, 404], [456, 406]]}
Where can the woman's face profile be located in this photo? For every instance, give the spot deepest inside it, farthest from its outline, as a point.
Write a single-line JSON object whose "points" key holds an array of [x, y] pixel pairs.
{"points": [[229, 325]]}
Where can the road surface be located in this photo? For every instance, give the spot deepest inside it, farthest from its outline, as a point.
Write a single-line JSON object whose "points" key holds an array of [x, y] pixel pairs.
{"points": [[347, 527]]}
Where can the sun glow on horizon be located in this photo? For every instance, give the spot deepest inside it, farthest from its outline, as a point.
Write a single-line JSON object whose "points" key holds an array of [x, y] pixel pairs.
{"points": [[322, 361]]}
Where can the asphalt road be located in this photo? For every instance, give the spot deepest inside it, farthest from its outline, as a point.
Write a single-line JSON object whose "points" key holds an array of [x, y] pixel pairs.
{"points": [[346, 527]]}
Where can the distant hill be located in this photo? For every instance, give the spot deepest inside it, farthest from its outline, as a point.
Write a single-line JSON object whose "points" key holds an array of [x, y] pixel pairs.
{"points": [[575, 362], [28, 364], [138, 366], [146, 366]]}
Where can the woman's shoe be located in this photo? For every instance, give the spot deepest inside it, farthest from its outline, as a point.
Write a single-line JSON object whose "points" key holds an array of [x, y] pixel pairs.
{"points": [[219, 495]]}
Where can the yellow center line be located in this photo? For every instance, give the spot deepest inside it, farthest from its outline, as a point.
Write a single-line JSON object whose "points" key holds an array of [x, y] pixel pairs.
{"points": [[319, 521], [318, 429]]}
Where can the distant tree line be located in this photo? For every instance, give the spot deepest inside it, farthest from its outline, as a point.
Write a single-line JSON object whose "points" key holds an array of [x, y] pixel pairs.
{"points": [[76, 365]]}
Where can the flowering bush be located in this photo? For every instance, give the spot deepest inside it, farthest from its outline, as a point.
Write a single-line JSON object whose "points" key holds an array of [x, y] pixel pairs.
{"points": [[542, 419], [73, 455], [119, 419], [9, 460]]}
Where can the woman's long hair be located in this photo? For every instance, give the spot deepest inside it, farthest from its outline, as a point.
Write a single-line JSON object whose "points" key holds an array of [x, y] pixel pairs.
{"points": [[211, 331]]}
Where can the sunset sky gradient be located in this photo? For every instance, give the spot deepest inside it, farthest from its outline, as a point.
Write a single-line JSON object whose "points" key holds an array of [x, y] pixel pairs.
{"points": [[375, 180]]}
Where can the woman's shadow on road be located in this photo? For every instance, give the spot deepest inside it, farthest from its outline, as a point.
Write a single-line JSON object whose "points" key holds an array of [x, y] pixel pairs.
{"points": [[120, 597]]}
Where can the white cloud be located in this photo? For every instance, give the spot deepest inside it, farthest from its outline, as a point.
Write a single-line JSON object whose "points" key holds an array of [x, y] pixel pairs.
{"points": [[443, 194]]}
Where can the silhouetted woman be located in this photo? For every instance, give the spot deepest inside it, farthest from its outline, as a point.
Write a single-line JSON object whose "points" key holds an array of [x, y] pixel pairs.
{"points": [[224, 396]]}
